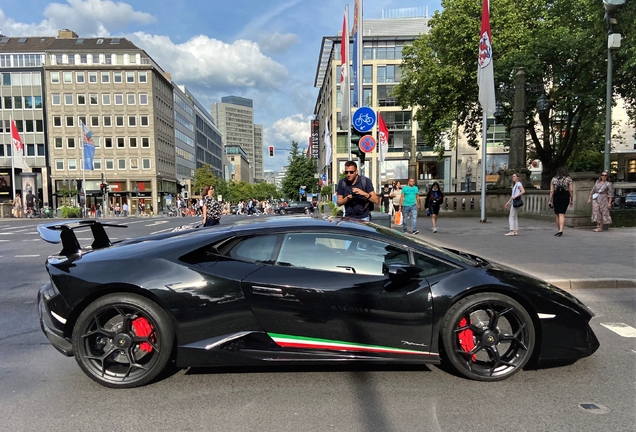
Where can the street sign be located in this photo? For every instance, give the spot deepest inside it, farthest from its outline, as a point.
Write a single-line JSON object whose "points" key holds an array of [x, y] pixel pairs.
{"points": [[367, 143], [324, 177], [364, 119]]}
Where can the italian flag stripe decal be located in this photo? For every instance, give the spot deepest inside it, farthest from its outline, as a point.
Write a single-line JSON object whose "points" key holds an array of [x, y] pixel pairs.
{"points": [[326, 344]]}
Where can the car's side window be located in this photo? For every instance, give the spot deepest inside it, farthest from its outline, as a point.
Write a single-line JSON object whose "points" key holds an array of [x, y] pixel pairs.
{"points": [[431, 266], [255, 249], [339, 253]]}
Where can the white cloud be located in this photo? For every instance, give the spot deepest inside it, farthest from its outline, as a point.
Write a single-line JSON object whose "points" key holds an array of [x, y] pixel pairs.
{"points": [[288, 129], [88, 18], [277, 43], [214, 63]]}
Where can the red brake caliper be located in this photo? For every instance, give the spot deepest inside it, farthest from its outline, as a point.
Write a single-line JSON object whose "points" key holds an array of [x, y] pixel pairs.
{"points": [[466, 340], [142, 329]]}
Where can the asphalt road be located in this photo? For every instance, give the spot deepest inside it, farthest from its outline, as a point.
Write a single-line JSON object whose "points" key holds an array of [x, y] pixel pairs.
{"points": [[41, 390]]}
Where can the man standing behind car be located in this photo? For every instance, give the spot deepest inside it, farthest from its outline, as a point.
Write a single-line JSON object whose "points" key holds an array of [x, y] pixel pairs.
{"points": [[410, 205], [356, 193], [211, 208]]}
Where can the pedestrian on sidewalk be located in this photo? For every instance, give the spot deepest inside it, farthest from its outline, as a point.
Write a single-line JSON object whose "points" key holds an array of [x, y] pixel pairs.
{"points": [[409, 205], [601, 199], [356, 193], [211, 208], [517, 191], [396, 196], [561, 195], [433, 202]]}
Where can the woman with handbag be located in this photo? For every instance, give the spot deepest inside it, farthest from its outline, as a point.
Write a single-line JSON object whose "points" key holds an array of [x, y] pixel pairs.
{"points": [[561, 194], [433, 202], [517, 203], [601, 199]]}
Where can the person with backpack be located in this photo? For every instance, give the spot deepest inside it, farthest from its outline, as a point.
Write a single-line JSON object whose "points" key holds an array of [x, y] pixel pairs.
{"points": [[356, 193], [433, 202], [561, 195]]}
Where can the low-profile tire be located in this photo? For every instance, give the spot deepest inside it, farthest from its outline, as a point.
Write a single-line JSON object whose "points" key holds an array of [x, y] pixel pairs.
{"points": [[307, 211], [123, 340], [282, 212], [488, 336]]}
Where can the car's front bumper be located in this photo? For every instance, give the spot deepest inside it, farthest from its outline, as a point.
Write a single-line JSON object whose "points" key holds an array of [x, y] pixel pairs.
{"points": [[51, 322]]}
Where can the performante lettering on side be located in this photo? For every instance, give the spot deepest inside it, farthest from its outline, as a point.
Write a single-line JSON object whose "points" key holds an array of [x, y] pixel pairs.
{"points": [[413, 343]]}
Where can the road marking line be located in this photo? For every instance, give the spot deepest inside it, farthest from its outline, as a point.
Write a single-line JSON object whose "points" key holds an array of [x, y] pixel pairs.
{"points": [[4, 240], [157, 232], [621, 329], [37, 239], [26, 256], [157, 223]]}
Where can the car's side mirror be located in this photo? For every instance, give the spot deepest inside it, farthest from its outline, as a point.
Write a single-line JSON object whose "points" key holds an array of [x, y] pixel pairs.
{"points": [[401, 272]]}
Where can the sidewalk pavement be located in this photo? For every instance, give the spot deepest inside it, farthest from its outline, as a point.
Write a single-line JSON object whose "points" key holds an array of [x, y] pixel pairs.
{"points": [[580, 258]]}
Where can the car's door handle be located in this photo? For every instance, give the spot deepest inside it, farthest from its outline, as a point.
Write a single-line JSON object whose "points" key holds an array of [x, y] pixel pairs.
{"points": [[267, 291]]}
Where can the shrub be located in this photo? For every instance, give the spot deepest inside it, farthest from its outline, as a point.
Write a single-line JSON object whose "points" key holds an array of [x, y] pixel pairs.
{"points": [[71, 212]]}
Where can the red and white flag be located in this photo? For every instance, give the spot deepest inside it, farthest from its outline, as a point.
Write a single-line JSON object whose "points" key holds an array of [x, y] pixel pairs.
{"points": [[383, 137], [485, 70], [345, 86], [18, 148]]}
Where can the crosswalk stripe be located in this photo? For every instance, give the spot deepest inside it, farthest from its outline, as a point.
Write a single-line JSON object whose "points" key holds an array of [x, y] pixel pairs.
{"points": [[621, 329]]}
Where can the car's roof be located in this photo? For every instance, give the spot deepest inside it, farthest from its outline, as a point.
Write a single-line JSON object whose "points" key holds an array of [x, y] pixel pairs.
{"points": [[302, 222]]}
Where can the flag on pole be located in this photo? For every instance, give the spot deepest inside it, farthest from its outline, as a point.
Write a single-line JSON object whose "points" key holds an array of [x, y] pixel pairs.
{"points": [[345, 86], [89, 147], [485, 71], [18, 148], [327, 145], [357, 51], [383, 137]]}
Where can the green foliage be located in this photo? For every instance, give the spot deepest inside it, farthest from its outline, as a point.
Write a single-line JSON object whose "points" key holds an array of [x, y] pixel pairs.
{"points": [[326, 191], [336, 211], [203, 177], [300, 172], [71, 212], [561, 44]]}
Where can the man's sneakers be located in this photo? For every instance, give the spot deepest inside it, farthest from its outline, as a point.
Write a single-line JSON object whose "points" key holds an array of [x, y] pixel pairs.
{"points": [[434, 229], [416, 232]]}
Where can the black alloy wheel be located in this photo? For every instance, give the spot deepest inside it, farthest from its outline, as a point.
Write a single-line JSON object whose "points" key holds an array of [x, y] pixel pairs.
{"points": [[488, 336], [123, 340]]}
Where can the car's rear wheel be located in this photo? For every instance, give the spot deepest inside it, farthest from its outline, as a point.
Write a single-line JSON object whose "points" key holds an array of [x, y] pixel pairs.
{"points": [[488, 336], [282, 211], [123, 340]]}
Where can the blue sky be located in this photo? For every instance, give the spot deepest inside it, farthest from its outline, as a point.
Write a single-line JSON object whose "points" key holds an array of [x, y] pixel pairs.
{"points": [[266, 50]]}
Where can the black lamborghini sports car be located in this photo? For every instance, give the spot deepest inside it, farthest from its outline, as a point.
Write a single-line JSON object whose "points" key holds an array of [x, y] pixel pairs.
{"points": [[296, 290]]}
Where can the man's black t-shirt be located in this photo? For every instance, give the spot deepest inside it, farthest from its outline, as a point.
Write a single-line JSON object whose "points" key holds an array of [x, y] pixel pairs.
{"points": [[358, 207], [30, 198]]}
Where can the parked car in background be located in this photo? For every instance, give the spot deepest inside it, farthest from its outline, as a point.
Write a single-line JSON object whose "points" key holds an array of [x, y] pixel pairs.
{"points": [[296, 207], [630, 200]]}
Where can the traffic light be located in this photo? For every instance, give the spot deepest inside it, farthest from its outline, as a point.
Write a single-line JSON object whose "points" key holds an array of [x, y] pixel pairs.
{"points": [[271, 151], [356, 136], [101, 187]]}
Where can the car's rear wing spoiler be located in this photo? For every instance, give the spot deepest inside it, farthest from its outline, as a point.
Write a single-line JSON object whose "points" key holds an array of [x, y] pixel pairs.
{"points": [[56, 232]]}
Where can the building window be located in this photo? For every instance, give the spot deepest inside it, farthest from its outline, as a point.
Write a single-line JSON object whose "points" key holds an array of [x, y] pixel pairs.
{"points": [[39, 125], [70, 142], [59, 164], [121, 164], [95, 59], [97, 164], [41, 150], [107, 121], [119, 121], [132, 142], [28, 102], [55, 79], [72, 164], [121, 142], [117, 77], [81, 99], [145, 163], [130, 77], [142, 77], [68, 98], [134, 164], [119, 99], [17, 102], [389, 74], [130, 99], [56, 99], [143, 99], [79, 77], [95, 121], [68, 77], [70, 121], [143, 120], [83, 58], [82, 119], [8, 102], [92, 77], [58, 142], [108, 143], [105, 99], [93, 98], [132, 121], [38, 102], [145, 142], [110, 164], [57, 121]]}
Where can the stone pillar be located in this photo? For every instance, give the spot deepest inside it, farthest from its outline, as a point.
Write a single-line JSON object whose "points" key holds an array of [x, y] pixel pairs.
{"points": [[580, 214]]}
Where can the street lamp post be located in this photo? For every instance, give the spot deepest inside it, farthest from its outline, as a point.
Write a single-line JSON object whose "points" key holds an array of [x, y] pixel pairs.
{"points": [[613, 42]]}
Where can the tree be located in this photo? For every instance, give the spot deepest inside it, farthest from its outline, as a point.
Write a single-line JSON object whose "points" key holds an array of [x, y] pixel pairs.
{"points": [[561, 44], [203, 177], [300, 172]]}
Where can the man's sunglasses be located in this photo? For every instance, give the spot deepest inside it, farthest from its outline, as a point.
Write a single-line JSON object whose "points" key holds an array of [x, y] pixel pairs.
{"points": [[350, 172]]}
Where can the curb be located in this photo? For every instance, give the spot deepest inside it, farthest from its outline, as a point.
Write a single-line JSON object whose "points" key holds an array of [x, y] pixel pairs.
{"points": [[574, 284]]}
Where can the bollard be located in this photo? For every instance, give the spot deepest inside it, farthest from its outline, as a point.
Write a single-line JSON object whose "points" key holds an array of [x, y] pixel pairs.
{"points": [[464, 203], [446, 199], [472, 203], [454, 203]]}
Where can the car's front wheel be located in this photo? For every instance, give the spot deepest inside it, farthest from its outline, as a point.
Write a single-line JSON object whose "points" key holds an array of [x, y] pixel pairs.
{"points": [[282, 211], [488, 336], [123, 340]]}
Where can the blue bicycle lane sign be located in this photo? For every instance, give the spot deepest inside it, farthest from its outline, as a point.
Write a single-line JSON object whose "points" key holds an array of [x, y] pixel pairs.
{"points": [[364, 119]]}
